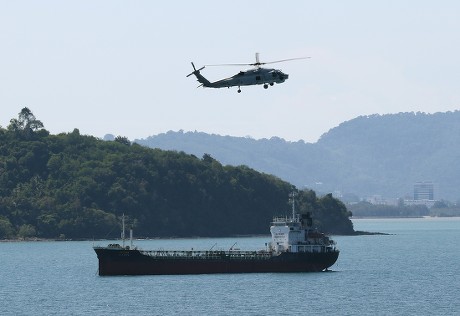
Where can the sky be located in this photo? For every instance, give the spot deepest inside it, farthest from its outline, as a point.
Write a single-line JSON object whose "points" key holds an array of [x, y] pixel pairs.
{"points": [[119, 67]]}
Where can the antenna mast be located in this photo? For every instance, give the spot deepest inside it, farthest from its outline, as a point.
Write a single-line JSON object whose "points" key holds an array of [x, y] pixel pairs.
{"points": [[292, 195], [123, 229]]}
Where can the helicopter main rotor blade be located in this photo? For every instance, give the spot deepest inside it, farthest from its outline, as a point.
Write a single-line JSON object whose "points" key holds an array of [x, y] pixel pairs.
{"points": [[215, 65], [283, 60], [258, 63]]}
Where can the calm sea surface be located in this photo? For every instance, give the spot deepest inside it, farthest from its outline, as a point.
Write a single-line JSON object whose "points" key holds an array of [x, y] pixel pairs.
{"points": [[413, 271]]}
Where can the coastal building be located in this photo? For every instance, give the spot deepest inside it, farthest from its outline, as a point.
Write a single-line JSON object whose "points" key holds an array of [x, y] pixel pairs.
{"points": [[379, 200], [423, 191], [423, 194]]}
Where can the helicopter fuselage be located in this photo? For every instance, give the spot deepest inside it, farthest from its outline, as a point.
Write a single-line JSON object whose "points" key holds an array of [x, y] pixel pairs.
{"points": [[251, 77], [257, 76]]}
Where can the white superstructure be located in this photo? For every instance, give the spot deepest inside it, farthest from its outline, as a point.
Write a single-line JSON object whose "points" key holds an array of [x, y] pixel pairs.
{"points": [[294, 234]]}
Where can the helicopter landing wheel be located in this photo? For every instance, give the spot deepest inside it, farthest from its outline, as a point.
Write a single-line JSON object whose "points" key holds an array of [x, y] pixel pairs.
{"points": [[265, 86], [271, 84], [239, 90]]}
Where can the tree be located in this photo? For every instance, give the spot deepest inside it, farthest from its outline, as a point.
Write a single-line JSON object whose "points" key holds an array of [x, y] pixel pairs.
{"points": [[123, 140], [334, 215], [6, 229], [27, 231], [26, 124]]}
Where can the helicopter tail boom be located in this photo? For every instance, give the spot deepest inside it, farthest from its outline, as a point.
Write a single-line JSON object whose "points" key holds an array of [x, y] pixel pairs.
{"points": [[204, 82]]}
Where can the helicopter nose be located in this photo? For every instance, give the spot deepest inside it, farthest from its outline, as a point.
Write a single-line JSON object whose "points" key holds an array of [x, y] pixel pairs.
{"points": [[284, 76]]}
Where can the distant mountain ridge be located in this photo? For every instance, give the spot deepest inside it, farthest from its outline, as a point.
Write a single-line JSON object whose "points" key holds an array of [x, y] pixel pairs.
{"points": [[369, 155]]}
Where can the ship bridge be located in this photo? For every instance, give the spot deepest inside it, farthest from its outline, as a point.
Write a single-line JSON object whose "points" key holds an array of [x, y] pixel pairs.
{"points": [[295, 234]]}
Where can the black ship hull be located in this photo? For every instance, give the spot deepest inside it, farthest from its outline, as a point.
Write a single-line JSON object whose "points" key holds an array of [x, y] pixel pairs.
{"points": [[136, 262]]}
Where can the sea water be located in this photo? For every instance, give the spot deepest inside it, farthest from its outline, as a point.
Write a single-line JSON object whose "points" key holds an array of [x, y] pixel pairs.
{"points": [[414, 270]]}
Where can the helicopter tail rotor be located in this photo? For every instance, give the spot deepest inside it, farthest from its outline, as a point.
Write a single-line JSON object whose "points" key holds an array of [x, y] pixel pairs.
{"points": [[195, 71], [204, 82]]}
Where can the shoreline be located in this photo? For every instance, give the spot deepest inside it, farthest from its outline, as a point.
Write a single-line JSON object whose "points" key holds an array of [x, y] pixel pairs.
{"points": [[403, 217], [355, 233]]}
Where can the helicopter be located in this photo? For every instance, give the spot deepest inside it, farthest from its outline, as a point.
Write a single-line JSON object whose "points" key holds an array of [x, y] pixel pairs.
{"points": [[255, 76]]}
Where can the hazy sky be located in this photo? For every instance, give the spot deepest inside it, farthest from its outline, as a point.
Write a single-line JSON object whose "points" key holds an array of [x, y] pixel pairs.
{"points": [[119, 67]]}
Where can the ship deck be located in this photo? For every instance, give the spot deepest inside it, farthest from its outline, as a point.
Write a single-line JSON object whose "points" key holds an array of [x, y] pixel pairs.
{"points": [[206, 255]]}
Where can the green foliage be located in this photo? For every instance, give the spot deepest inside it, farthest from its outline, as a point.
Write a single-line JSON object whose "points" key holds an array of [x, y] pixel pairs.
{"points": [[123, 140], [370, 210], [75, 186], [6, 229], [26, 124], [329, 214], [26, 231], [445, 209]]}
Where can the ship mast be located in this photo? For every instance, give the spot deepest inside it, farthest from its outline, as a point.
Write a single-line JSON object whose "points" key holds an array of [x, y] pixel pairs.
{"points": [[123, 229], [292, 196]]}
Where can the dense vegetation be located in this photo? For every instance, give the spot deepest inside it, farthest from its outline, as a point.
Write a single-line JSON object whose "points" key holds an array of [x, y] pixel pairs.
{"points": [[75, 186], [366, 209], [439, 209], [369, 155]]}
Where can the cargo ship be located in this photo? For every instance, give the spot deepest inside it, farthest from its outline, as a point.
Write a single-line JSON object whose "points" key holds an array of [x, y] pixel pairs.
{"points": [[295, 247]]}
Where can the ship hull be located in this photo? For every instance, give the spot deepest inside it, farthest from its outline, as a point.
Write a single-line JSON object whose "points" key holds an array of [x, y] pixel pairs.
{"points": [[134, 262]]}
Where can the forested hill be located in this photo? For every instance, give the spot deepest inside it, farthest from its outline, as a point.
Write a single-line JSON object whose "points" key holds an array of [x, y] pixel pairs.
{"points": [[369, 155], [75, 186]]}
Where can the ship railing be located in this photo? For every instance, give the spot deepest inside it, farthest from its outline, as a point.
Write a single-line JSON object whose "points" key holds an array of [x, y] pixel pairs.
{"points": [[311, 248], [193, 254], [280, 220]]}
